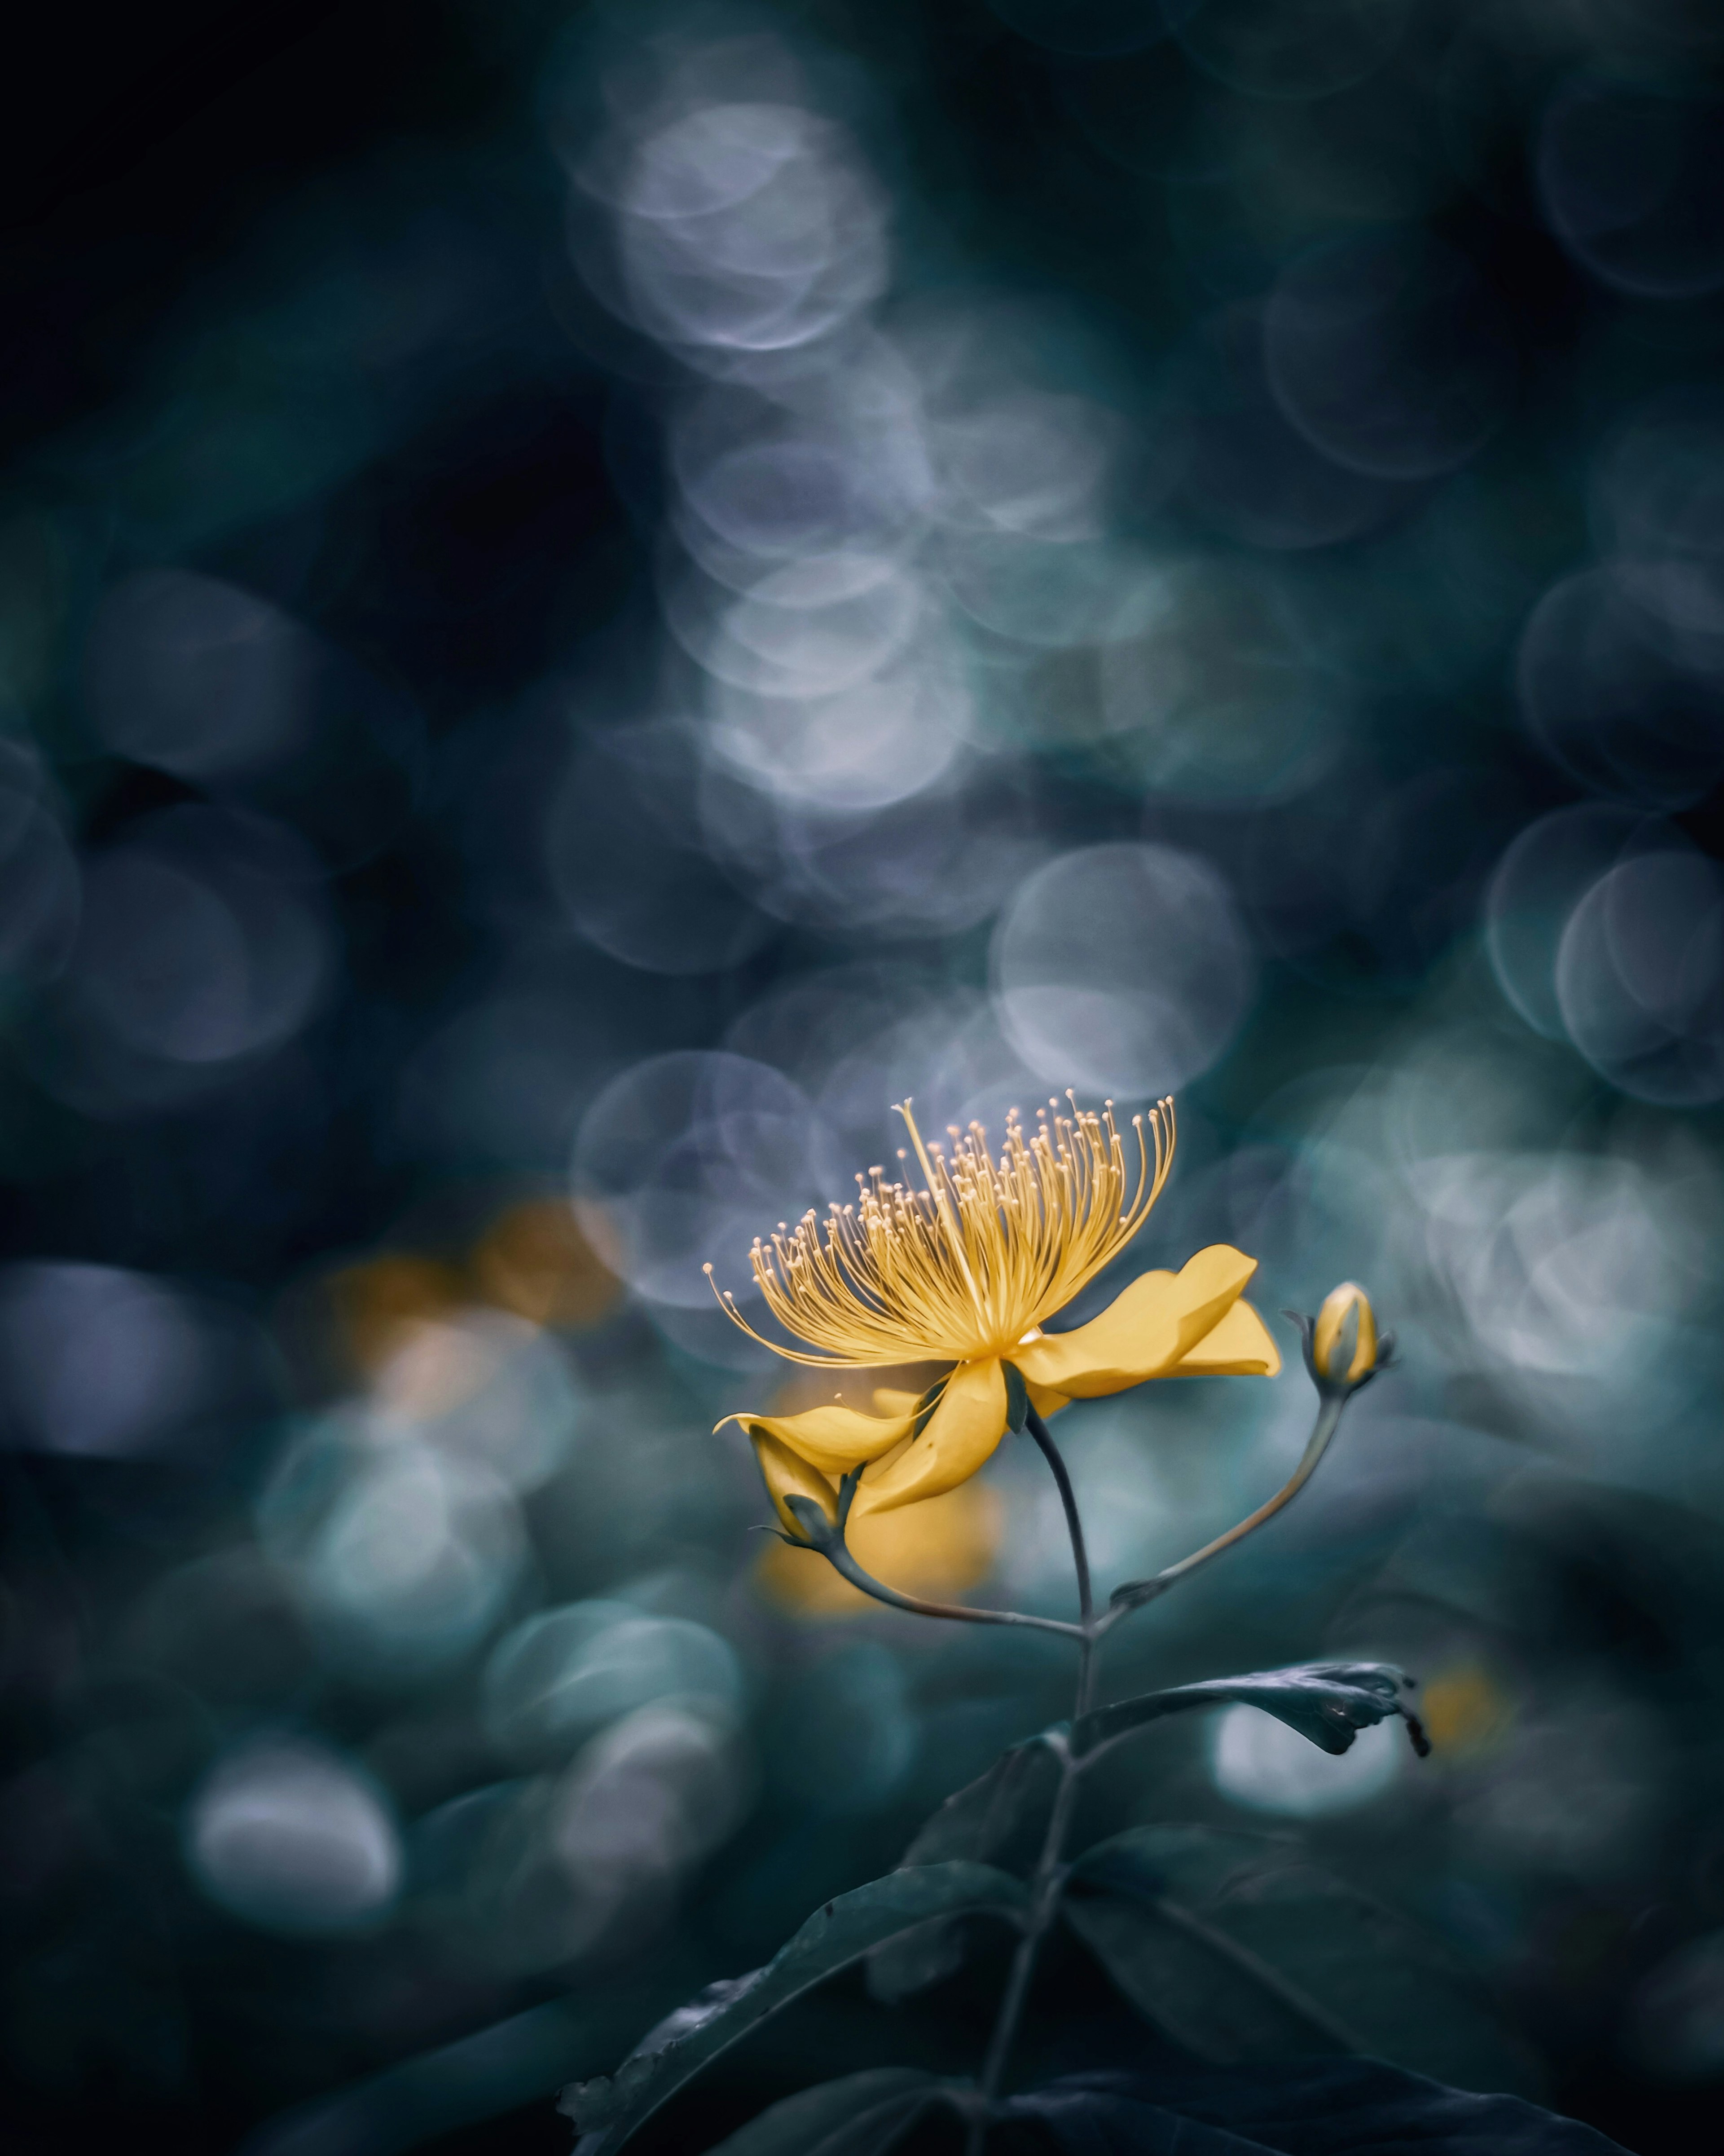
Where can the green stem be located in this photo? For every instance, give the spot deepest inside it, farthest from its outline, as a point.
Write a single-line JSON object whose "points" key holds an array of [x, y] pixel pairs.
{"points": [[1147, 1590], [1045, 1887], [1080, 1558], [1044, 1893], [837, 1555]]}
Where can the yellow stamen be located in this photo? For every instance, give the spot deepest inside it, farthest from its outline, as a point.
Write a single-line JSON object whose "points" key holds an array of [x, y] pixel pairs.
{"points": [[969, 1265]]}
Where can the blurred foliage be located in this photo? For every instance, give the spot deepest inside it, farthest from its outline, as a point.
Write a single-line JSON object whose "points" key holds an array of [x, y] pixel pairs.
{"points": [[591, 594]]}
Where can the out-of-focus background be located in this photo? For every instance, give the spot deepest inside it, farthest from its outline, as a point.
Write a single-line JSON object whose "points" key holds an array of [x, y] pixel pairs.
{"points": [[588, 597]]}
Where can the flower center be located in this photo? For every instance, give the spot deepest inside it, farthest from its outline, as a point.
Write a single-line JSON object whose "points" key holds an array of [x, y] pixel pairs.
{"points": [[971, 1263]]}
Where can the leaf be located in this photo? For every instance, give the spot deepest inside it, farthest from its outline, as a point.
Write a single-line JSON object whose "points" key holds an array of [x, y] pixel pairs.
{"points": [[464, 2083], [1239, 1948], [1197, 1985], [1329, 1703], [862, 2115], [999, 1819], [1319, 2107], [606, 2112], [924, 1956]]}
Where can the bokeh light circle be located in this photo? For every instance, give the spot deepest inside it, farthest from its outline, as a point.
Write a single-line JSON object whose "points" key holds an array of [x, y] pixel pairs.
{"points": [[1386, 353], [1122, 969], [288, 1837], [1604, 693], [554, 1681], [1632, 186], [684, 1159], [1640, 979], [1262, 1763], [1540, 878]]}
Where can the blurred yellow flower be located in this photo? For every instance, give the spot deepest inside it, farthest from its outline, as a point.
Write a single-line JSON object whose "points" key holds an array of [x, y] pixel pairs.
{"points": [[1464, 1709], [938, 1548], [966, 1270]]}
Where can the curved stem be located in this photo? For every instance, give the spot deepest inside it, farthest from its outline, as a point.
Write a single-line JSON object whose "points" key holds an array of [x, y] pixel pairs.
{"points": [[1080, 1558], [1146, 1590], [838, 1556]]}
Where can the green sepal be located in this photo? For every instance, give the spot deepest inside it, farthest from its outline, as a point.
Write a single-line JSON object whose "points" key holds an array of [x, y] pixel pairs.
{"points": [[816, 1529], [606, 2112]]}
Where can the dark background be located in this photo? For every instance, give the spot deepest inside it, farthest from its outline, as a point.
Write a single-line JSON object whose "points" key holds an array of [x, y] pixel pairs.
{"points": [[1297, 433]]}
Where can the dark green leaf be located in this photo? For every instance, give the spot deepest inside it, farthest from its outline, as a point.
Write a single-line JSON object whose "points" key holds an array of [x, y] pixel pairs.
{"points": [[1310, 2105], [1240, 1949], [862, 2115], [607, 2112], [916, 1959], [1329, 1703], [999, 1819]]}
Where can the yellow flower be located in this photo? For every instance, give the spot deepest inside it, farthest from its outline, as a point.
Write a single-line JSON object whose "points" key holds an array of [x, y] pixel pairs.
{"points": [[967, 1270], [941, 1547]]}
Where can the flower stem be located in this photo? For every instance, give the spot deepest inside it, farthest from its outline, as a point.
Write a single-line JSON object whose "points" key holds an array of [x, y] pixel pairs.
{"points": [[838, 1556], [1128, 1598], [1080, 1558], [1044, 1888], [1044, 1891]]}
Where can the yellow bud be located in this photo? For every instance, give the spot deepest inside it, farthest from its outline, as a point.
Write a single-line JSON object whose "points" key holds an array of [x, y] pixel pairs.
{"points": [[787, 1474], [1345, 1322]]}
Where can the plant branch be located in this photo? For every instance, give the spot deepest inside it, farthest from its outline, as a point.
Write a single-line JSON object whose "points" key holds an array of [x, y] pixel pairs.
{"points": [[1137, 1592], [1044, 1891], [827, 1537], [1080, 1558], [1050, 1879]]}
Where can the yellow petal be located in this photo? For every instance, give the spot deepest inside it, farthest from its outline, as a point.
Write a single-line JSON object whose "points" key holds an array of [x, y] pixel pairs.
{"points": [[892, 1400], [941, 1547], [961, 1432], [786, 1476], [1239, 1347], [1044, 1399], [1145, 1332], [834, 1439]]}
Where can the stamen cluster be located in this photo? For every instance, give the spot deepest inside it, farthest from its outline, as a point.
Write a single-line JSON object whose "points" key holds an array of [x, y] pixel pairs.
{"points": [[972, 1262]]}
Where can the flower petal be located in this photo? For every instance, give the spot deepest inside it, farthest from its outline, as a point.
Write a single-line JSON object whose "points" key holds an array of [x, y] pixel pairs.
{"points": [[1044, 1399], [1240, 1347], [1145, 1332], [786, 1476], [834, 1439], [960, 1434]]}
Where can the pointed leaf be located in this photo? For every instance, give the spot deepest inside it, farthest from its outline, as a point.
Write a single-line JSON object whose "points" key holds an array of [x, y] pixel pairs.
{"points": [[1239, 1948], [1329, 1703], [607, 2112], [862, 2115], [1309, 2105], [999, 1819], [1001, 1816]]}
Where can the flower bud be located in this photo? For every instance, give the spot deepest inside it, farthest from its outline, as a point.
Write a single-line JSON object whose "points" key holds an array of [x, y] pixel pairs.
{"points": [[786, 1473], [1343, 1343]]}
